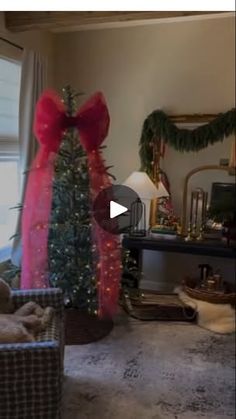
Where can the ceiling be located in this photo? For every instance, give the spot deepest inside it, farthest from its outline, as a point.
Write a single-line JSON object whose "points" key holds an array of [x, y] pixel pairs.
{"points": [[68, 21]]}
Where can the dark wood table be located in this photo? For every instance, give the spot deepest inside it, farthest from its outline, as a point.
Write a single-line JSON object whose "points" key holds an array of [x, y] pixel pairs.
{"points": [[178, 245], [136, 246]]}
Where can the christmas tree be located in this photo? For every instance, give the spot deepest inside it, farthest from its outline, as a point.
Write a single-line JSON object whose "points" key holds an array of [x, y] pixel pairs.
{"points": [[63, 246], [70, 250]]}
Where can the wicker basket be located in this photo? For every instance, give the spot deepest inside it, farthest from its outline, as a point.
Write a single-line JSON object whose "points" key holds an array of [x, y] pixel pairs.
{"points": [[191, 287]]}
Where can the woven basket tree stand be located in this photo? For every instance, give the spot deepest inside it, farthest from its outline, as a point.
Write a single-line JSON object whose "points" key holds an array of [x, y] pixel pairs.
{"points": [[82, 328]]}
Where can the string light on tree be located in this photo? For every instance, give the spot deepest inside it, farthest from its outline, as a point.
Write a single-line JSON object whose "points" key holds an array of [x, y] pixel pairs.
{"points": [[70, 230], [69, 138]]}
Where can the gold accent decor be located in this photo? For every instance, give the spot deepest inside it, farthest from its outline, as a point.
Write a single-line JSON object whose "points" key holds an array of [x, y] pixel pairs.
{"points": [[153, 212]]}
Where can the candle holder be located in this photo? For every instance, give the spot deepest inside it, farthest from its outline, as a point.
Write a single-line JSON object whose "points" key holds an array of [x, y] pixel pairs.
{"points": [[194, 232], [189, 236], [197, 217], [201, 235]]}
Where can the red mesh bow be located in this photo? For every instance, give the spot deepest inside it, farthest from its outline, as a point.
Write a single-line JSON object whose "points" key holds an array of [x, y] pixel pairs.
{"points": [[51, 121]]}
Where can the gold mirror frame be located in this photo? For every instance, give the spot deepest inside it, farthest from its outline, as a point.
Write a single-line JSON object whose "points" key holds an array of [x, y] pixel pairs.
{"points": [[183, 119], [185, 192]]}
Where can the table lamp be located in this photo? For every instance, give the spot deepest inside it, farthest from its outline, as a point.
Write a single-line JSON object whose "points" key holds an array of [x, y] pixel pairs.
{"points": [[141, 183]]}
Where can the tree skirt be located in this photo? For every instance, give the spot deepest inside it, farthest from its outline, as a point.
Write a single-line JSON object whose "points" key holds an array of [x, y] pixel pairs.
{"points": [[82, 328]]}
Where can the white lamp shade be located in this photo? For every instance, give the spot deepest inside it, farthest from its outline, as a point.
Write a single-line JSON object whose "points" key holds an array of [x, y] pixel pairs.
{"points": [[141, 183]]}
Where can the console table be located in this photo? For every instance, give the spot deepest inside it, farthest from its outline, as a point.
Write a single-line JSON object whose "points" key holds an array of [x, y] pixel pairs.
{"points": [[179, 245], [136, 246]]}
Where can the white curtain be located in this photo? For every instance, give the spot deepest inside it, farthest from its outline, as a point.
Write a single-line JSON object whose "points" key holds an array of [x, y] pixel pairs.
{"points": [[33, 82]]}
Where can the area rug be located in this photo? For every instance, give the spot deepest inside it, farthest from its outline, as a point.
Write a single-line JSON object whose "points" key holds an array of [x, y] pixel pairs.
{"points": [[151, 370]]}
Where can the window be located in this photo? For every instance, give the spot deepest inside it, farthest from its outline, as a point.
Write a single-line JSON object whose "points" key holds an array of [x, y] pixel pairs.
{"points": [[10, 73]]}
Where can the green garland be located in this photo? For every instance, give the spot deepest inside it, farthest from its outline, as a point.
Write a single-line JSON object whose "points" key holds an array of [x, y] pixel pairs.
{"points": [[159, 126]]}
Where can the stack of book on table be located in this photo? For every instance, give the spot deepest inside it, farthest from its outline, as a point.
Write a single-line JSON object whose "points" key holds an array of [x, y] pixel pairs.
{"points": [[164, 232]]}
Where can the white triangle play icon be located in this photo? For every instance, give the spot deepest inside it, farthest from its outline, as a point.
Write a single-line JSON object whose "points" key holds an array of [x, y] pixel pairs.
{"points": [[116, 209]]}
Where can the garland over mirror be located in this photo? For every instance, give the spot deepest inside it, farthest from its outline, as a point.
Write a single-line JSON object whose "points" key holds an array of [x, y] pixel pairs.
{"points": [[158, 126]]}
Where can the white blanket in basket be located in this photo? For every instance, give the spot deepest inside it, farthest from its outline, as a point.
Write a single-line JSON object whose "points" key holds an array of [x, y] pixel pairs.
{"points": [[219, 318]]}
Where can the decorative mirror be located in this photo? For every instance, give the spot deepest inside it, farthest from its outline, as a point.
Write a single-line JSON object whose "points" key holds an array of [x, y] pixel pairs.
{"points": [[206, 210], [184, 133]]}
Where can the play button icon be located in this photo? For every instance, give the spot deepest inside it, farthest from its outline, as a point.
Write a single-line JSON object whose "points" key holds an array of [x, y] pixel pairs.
{"points": [[112, 209], [116, 209]]}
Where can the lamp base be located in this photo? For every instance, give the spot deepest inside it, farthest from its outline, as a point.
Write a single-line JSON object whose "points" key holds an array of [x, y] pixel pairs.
{"points": [[147, 203]]}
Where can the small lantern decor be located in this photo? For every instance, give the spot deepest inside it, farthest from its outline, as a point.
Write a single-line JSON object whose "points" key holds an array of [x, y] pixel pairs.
{"points": [[138, 219], [141, 183]]}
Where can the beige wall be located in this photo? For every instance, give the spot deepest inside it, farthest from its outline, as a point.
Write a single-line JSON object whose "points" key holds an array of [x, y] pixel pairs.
{"points": [[181, 67], [36, 40]]}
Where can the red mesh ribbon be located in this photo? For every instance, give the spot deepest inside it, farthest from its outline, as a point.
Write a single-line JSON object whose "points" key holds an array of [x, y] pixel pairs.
{"points": [[51, 121]]}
